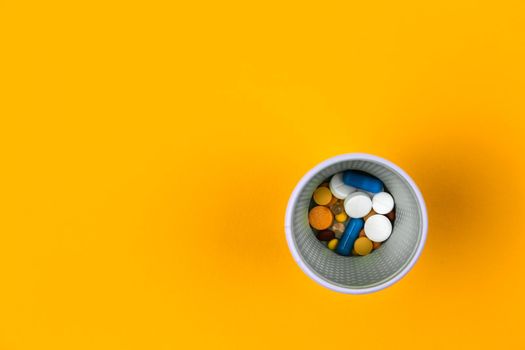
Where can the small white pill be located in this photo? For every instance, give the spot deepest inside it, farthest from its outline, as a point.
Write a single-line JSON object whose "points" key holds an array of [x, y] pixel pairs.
{"points": [[358, 204], [382, 203], [378, 228], [338, 187]]}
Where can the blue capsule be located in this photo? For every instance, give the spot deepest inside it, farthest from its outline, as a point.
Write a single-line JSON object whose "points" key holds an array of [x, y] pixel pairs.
{"points": [[362, 181], [344, 247]]}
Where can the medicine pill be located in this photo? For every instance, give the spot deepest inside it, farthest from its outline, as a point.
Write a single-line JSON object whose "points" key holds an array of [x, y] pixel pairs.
{"points": [[338, 187], [333, 244], [352, 213], [322, 196], [338, 227], [383, 203], [392, 215], [337, 208], [378, 228], [363, 246], [325, 235], [341, 217], [333, 201], [349, 236], [320, 217], [372, 212], [357, 204], [362, 181]]}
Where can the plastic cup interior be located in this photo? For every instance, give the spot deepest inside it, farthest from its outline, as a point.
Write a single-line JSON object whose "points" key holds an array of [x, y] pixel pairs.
{"points": [[384, 266]]}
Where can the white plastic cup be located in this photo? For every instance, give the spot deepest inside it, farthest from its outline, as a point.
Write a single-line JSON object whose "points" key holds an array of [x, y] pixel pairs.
{"points": [[384, 266]]}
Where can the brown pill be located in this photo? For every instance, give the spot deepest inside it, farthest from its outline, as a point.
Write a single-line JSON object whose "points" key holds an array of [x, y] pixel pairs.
{"points": [[372, 212], [337, 208], [392, 215], [333, 201], [338, 229], [325, 235], [362, 233], [320, 217], [376, 245]]}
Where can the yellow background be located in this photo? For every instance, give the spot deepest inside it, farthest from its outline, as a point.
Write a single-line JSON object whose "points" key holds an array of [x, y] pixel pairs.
{"points": [[148, 150]]}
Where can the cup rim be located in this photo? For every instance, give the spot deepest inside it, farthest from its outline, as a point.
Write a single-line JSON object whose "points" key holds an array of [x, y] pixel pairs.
{"points": [[302, 183]]}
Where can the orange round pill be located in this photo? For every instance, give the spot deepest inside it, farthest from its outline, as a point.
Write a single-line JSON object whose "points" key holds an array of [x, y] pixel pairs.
{"points": [[322, 196], [376, 245], [363, 246], [320, 217]]}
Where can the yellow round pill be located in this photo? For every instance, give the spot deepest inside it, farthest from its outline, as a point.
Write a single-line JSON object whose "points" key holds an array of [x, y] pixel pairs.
{"points": [[322, 196], [341, 217], [333, 244], [363, 246]]}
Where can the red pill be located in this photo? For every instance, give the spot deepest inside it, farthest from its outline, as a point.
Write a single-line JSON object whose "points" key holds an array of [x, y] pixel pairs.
{"points": [[325, 235]]}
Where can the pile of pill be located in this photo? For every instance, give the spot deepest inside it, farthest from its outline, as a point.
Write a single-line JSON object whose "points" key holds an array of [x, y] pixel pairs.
{"points": [[352, 213]]}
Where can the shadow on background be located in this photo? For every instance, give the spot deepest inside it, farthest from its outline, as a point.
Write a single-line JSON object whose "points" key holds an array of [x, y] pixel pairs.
{"points": [[466, 202]]}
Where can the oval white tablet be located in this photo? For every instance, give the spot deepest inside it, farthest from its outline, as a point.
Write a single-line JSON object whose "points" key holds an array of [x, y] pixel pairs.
{"points": [[378, 228], [338, 187], [382, 203], [358, 204]]}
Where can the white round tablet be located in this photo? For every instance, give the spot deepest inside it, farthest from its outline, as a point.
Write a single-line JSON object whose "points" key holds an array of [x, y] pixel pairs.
{"points": [[382, 203], [358, 204], [378, 228], [338, 187]]}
